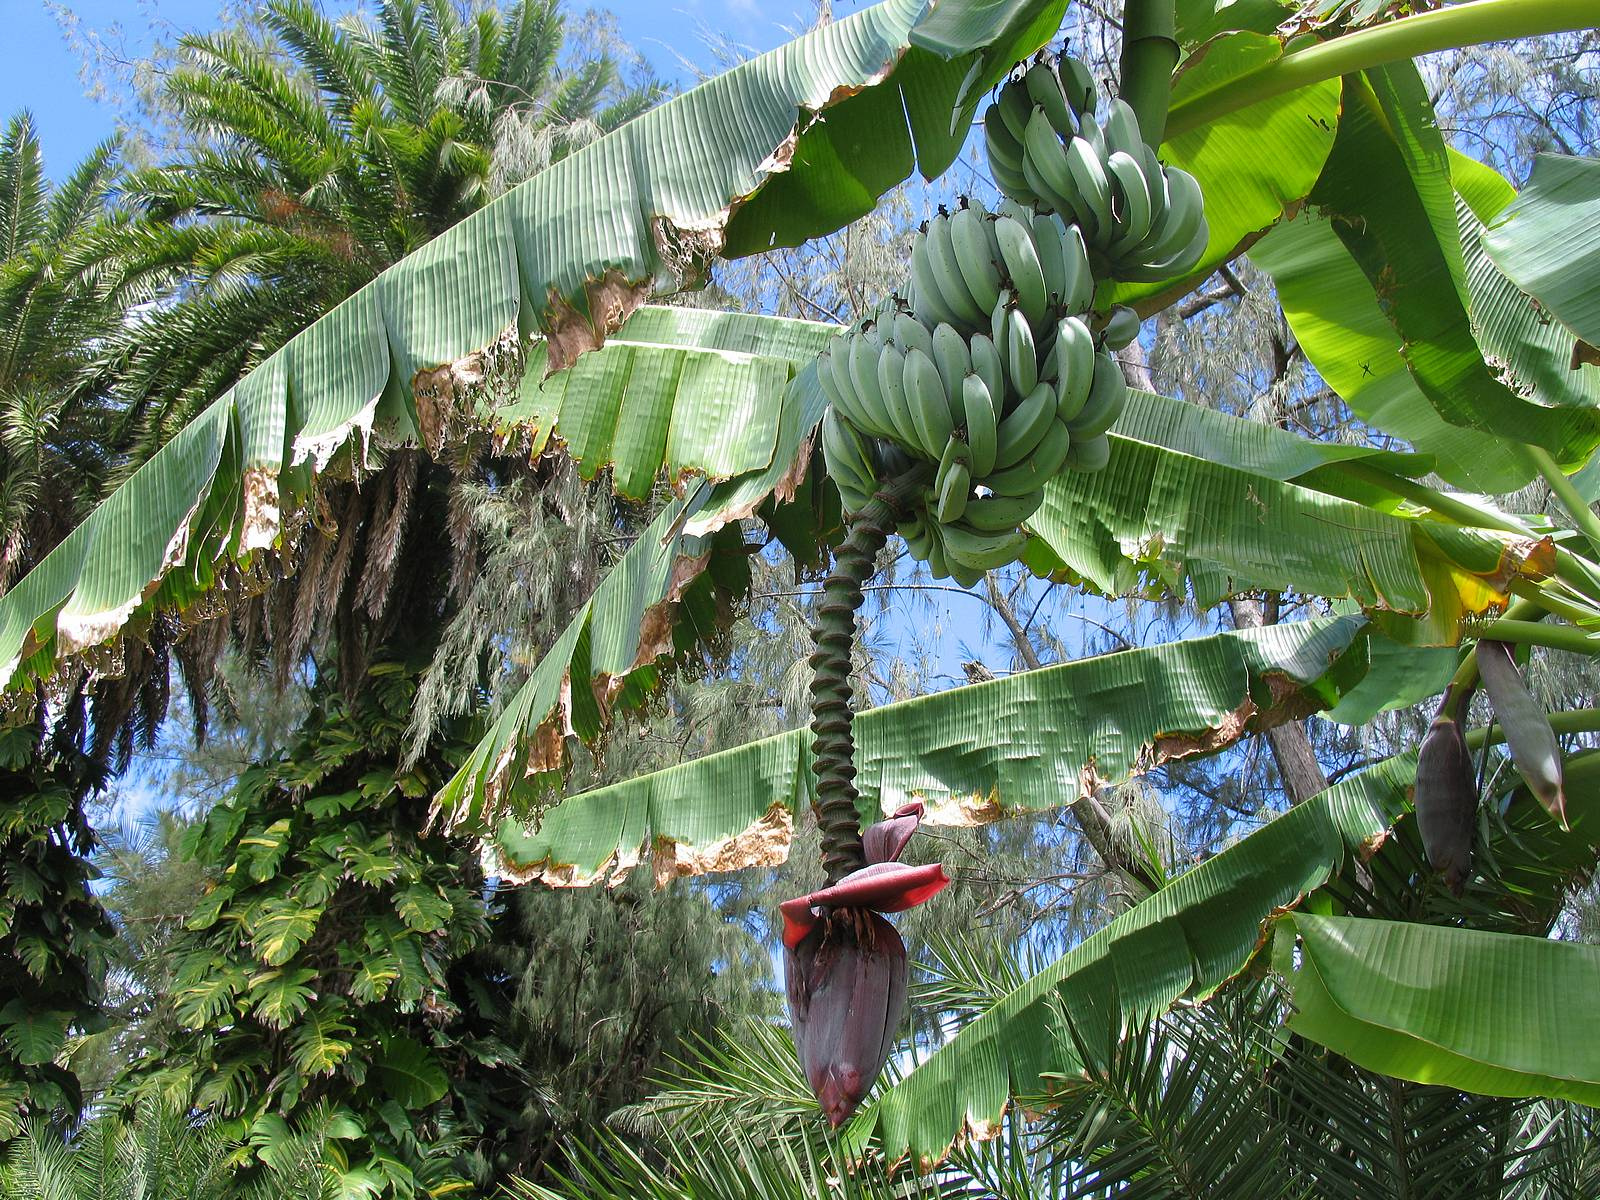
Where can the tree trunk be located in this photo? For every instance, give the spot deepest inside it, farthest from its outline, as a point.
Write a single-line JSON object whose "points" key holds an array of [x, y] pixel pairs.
{"points": [[1298, 767]]}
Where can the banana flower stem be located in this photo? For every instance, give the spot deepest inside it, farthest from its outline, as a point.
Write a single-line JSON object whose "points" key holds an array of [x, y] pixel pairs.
{"points": [[833, 743]]}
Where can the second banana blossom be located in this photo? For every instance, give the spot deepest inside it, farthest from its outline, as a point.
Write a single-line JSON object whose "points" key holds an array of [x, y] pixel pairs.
{"points": [[845, 966]]}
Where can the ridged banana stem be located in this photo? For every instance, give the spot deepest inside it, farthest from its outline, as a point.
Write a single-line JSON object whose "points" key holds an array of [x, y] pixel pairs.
{"points": [[1149, 54], [833, 744]]}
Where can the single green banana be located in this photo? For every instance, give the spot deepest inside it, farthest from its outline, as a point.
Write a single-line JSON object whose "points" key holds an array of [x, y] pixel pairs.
{"points": [[1130, 202], [1049, 199], [1091, 132], [938, 567], [841, 387], [1022, 355], [947, 274], [846, 457], [1088, 456], [1001, 514], [954, 359], [1122, 128], [1074, 366], [1023, 428], [953, 482], [1045, 166], [982, 423], [1079, 293], [1107, 395], [1185, 212], [927, 304], [998, 141], [987, 363], [964, 576], [929, 411], [1049, 243], [1023, 267], [917, 538], [1038, 468], [909, 332], [1121, 328], [975, 257], [864, 348], [895, 403], [1044, 90], [1077, 84], [1015, 107], [982, 551], [1089, 177]]}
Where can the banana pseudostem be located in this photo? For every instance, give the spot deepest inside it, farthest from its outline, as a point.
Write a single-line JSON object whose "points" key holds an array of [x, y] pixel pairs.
{"points": [[833, 744]]}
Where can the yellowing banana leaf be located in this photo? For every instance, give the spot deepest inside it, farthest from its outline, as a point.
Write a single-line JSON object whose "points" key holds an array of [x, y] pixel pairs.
{"points": [[1185, 941], [1201, 500], [1253, 165], [1387, 188], [786, 146], [1492, 1013], [973, 754], [1548, 242]]}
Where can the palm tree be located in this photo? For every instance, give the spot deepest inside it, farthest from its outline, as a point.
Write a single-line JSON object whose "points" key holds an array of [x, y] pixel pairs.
{"points": [[54, 452], [320, 157], [53, 312]]}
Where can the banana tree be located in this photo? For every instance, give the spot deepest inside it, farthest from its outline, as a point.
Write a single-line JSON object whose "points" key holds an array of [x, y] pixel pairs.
{"points": [[1406, 273]]}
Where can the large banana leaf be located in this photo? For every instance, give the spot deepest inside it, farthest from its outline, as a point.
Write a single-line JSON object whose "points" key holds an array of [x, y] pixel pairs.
{"points": [[1183, 942], [1494, 1013], [1548, 241], [1191, 497], [1337, 320], [1388, 190], [972, 754], [787, 146], [1196, 498], [1200, 931]]}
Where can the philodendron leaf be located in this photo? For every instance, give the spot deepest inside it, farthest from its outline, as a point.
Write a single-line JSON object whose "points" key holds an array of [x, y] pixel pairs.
{"points": [[1483, 1012], [32, 1035]]}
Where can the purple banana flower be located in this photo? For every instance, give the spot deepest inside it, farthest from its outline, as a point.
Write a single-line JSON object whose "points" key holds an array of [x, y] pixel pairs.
{"points": [[845, 966]]}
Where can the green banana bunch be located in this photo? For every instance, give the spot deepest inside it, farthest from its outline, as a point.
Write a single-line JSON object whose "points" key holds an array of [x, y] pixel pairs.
{"points": [[955, 268], [1142, 220]]}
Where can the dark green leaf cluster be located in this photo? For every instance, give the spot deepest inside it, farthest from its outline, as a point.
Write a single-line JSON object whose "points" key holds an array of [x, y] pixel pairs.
{"points": [[319, 1002], [54, 935]]}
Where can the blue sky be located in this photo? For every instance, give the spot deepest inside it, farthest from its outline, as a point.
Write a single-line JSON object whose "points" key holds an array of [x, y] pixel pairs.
{"points": [[47, 78]]}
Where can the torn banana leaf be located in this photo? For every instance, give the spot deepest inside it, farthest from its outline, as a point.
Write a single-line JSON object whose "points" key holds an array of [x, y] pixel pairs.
{"points": [[1198, 500], [1491, 1013], [790, 145], [1184, 942], [1471, 342], [972, 754], [1548, 242]]}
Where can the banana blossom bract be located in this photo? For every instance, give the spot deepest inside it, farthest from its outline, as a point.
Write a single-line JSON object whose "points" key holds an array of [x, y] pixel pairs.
{"points": [[845, 966]]}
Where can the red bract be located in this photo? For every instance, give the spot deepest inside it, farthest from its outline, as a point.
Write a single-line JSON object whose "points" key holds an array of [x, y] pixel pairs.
{"points": [[845, 966]]}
